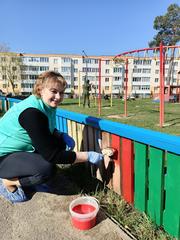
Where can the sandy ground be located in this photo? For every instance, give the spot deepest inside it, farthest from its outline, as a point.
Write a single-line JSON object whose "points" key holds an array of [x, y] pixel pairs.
{"points": [[46, 217]]}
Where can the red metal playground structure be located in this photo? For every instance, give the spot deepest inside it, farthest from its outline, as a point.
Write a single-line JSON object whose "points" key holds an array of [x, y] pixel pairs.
{"points": [[165, 93]]}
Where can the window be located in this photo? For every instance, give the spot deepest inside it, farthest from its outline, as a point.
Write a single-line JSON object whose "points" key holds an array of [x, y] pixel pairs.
{"points": [[156, 80], [75, 61], [145, 87], [67, 78], [116, 87], [107, 62], [14, 59], [55, 60], [90, 60], [24, 77], [106, 70], [137, 62], [147, 62], [66, 60], [157, 63], [145, 79], [106, 79], [135, 87], [33, 68], [116, 69], [136, 79], [156, 71], [146, 70], [27, 85], [3, 59], [106, 87], [33, 77], [33, 59], [43, 68], [44, 59], [66, 69], [137, 70], [90, 69], [24, 68]]}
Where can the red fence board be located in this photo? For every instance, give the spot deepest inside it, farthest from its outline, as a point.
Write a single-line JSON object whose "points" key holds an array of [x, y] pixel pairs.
{"points": [[127, 170]]}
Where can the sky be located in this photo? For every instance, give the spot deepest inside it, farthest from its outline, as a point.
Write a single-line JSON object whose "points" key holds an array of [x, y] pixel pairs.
{"points": [[99, 27]]}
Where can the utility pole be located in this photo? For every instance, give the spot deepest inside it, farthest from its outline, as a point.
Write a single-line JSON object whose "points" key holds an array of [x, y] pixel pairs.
{"points": [[85, 56]]}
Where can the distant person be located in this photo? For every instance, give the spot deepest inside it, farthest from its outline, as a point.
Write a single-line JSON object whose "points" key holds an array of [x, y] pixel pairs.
{"points": [[30, 144], [106, 97], [86, 93]]}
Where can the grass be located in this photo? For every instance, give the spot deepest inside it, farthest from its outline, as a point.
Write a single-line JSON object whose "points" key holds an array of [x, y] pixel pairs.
{"points": [[138, 224], [141, 113], [131, 220]]}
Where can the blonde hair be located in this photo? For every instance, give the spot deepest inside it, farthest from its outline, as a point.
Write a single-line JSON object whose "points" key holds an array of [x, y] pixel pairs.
{"points": [[46, 78]]}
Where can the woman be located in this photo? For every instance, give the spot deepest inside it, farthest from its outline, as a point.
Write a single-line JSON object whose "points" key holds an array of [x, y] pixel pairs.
{"points": [[30, 146]]}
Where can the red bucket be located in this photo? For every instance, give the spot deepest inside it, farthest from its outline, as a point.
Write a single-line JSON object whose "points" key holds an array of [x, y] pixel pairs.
{"points": [[83, 212]]}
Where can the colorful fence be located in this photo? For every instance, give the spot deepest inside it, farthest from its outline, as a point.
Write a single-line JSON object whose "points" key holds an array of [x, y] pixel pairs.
{"points": [[145, 171]]}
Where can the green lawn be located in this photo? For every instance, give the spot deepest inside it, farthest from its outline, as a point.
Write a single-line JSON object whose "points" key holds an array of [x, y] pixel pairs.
{"points": [[141, 112]]}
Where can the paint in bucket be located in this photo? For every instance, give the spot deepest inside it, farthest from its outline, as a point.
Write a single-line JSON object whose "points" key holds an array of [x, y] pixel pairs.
{"points": [[83, 212]]}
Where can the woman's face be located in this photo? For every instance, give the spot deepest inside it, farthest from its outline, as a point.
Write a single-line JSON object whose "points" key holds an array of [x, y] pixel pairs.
{"points": [[52, 94]]}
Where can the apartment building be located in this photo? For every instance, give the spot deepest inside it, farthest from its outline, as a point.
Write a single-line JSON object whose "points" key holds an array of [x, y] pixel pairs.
{"points": [[143, 73]]}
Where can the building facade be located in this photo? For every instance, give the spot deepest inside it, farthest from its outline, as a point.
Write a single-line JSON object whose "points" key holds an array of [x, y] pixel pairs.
{"points": [[143, 73]]}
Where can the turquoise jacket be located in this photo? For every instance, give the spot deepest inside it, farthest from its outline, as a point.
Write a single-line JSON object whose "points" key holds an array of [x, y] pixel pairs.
{"points": [[13, 137]]}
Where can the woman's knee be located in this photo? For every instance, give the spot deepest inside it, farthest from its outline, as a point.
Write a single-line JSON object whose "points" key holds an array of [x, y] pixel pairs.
{"points": [[47, 170]]}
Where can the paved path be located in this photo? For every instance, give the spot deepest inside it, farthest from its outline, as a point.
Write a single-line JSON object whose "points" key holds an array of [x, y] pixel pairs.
{"points": [[46, 217]]}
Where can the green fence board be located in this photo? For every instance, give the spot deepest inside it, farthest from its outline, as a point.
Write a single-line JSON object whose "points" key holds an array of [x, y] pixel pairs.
{"points": [[156, 184], [140, 181], [171, 218]]}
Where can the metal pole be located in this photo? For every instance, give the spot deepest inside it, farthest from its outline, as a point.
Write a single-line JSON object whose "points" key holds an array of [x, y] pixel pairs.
{"points": [[99, 94], [86, 64], [126, 81], [95, 89], [111, 91], [161, 122], [79, 91]]}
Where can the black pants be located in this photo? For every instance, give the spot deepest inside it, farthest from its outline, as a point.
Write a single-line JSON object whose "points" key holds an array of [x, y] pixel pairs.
{"points": [[86, 97], [30, 168]]}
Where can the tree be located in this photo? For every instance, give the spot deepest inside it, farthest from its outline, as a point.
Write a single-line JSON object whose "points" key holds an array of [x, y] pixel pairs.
{"points": [[168, 27], [11, 67]]}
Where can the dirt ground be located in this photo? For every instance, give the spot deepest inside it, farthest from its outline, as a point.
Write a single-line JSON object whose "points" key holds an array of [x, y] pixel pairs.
{"points": [[46, 217]]}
